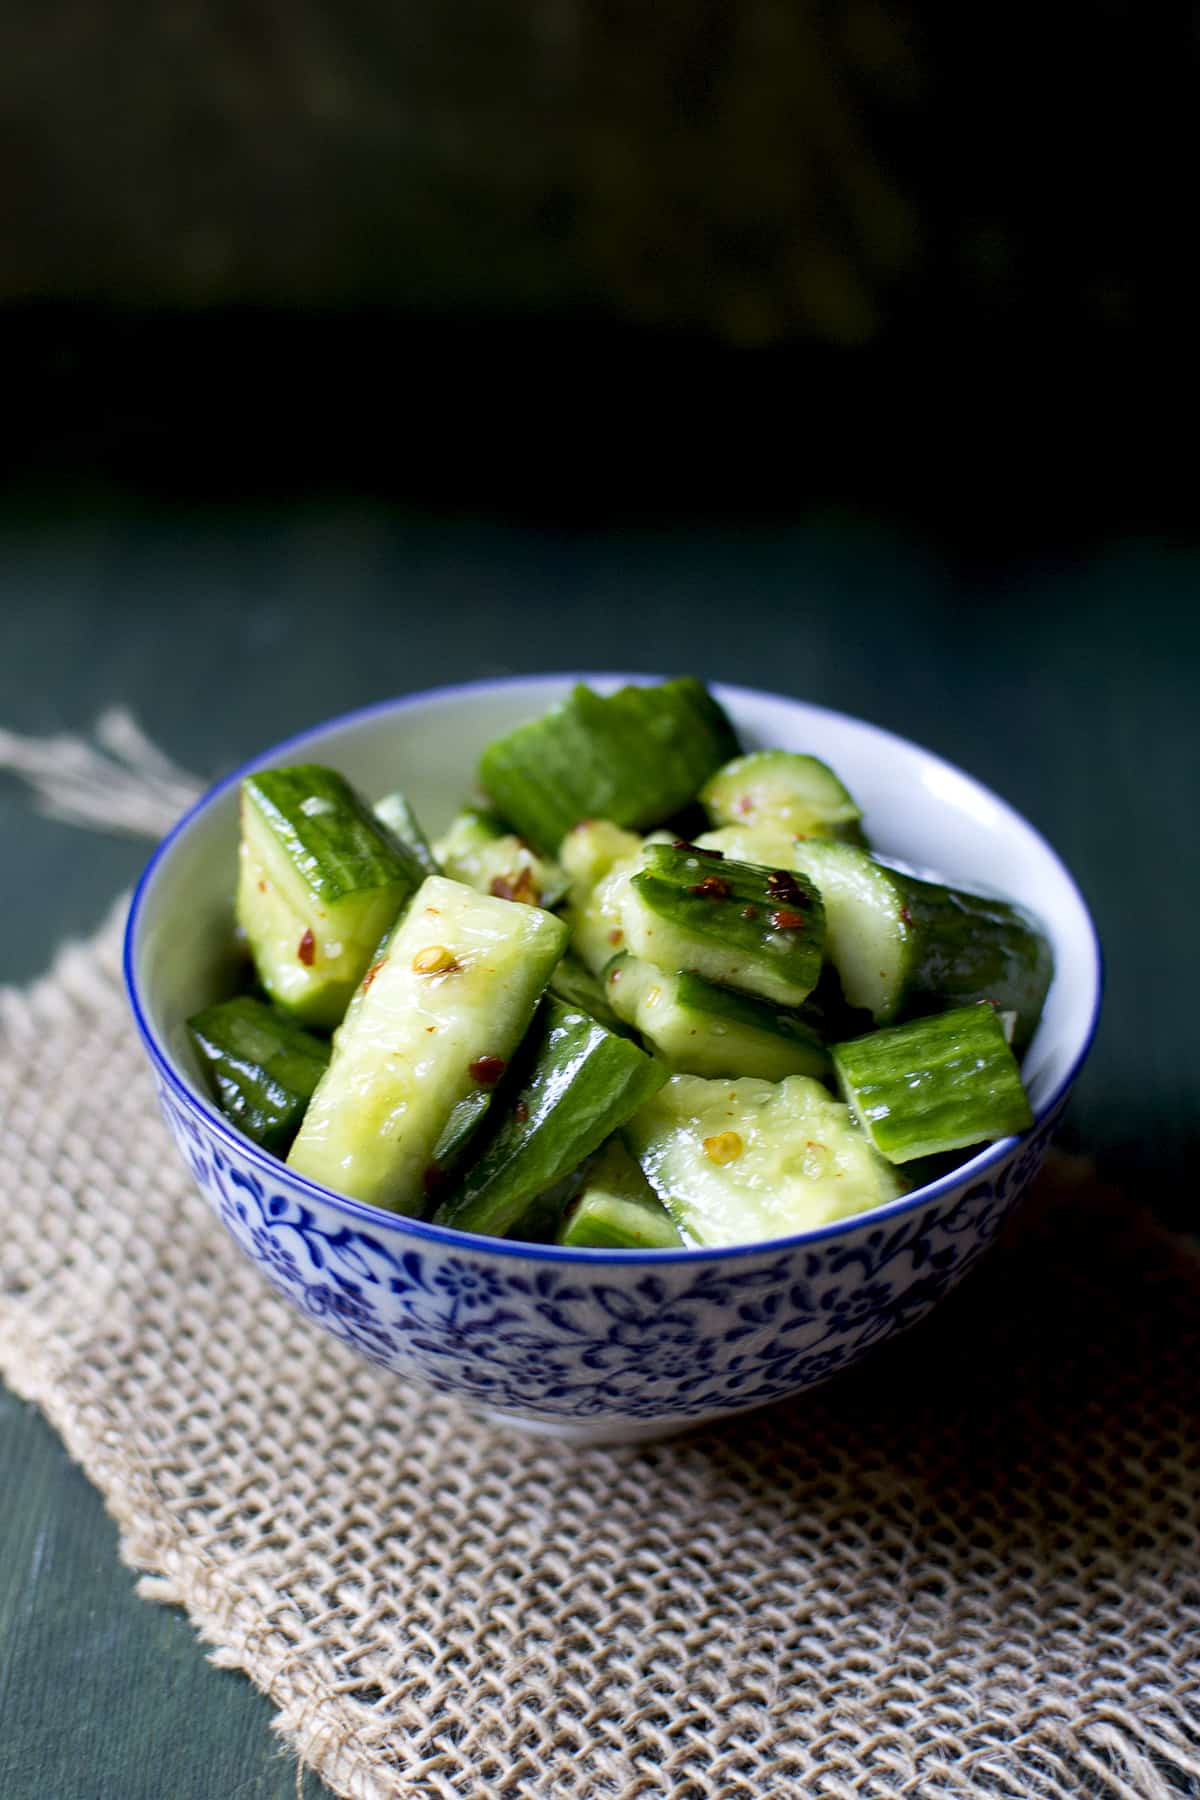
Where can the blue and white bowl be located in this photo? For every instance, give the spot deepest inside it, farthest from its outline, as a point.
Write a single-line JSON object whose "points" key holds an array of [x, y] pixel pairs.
{"points": [[596, 1345]]}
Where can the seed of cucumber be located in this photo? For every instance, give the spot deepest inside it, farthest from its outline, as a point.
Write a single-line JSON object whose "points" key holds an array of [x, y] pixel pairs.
{"points": [[934, 1085], [635, 757], [263, 1067], [740, 925], [319, 881], [440, 1017], [577, 1084]]}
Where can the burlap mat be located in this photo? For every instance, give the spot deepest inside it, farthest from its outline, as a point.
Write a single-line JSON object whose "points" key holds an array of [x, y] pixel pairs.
{"points": [[969, 1569]]}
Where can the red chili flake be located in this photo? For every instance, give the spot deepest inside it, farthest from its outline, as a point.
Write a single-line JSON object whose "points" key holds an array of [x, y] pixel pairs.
{"points": [[906, 915], [487, 1070], [749, 912], [521, 1111], [745, 803], [782, 885], [713, 887], [615, 935], [308, 948], [371, 973], [787, 921], [433, 1179], [682, 844]]}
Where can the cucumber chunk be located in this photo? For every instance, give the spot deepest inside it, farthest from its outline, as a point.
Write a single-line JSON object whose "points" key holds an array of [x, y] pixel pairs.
{"points": [[576, 1085], [319, 881], [479, 849], [635, 757], [743, 926], [735, 1162], [262, 1066], [439, 1017], [901, 945], [617, 1209], [395, 812], [783, 789], [934, 1085], [599, 858], [700, 1029]]}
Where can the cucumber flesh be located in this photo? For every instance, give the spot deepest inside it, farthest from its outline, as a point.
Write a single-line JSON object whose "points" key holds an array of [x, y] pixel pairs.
{"points": [[480, 850], [396, 813], [441, 1017], [262, 1066], [319, 881], [576, 1085], [635, 757], [618, 1209], [738, 924], [933, 1085], [737, 1162], [698, 1028], [780, 788], [599, 858]]}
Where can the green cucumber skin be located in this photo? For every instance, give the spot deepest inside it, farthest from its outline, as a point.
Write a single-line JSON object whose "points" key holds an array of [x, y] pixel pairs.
{"points": [[578, 1084], [574, 984], [698, 905], [338, 850], [617, 1209], [634, 757], [262, 1066], [968, 948], [934, 1085], [698, 1028], [395, 812]]}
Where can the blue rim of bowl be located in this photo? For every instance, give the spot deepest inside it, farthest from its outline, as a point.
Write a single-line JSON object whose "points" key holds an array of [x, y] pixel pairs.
{"points": [[378, 1218]]}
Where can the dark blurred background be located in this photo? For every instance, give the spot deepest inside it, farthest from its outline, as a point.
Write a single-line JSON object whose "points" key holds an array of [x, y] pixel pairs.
{"points": [[576, 257]]}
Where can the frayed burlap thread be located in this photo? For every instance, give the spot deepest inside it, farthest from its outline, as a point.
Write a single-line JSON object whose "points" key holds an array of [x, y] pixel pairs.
{"points": [[970, 1569]]}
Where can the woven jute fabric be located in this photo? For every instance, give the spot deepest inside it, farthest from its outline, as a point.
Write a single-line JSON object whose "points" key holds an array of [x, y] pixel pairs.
{"points": [[970, 1568]]}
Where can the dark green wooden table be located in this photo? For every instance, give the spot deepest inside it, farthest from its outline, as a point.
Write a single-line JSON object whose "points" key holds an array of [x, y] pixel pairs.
{"points": [[1068, 683]]}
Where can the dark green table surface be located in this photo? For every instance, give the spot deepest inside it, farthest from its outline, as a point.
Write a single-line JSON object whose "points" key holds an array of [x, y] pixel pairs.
{"points": [[1067, 682]]}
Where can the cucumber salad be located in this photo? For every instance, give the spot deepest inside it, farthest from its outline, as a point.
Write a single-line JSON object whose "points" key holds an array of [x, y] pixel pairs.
{"points": [[651, 992]]}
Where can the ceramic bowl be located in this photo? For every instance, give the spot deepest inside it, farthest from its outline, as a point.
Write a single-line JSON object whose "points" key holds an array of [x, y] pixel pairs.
{"points": [[598, 1345]]}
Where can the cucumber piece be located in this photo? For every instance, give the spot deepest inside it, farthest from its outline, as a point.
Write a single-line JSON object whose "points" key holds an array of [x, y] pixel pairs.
{"points": [[598, 857], [479, 849], [735, 1162], [395, 812], [577, 1084], [618, 1209], [901, 945], [781, 788], [701, 1029], [319, 881], [635, 757], [934, 1085], [757, 929], [577, 987], [262, 1067], [439, 1017]]}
